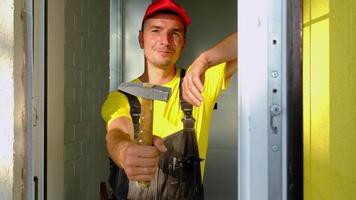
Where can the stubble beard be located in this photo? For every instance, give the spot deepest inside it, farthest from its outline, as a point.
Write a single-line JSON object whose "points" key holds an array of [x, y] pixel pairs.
{"points": [[164, 62]]}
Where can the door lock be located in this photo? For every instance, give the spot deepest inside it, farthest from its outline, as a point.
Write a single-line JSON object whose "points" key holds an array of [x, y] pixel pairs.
{"points": [[275, 111]]}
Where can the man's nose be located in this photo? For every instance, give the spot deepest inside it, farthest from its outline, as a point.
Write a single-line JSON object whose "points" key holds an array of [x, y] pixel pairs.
{"points": [[165, 38]]}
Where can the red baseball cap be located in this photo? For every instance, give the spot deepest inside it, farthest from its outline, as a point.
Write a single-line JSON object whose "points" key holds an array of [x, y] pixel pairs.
{"points": [[170, 5]]}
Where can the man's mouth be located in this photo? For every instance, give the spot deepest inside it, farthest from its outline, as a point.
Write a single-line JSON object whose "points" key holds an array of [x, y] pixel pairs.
{"points": [[164, 51]]}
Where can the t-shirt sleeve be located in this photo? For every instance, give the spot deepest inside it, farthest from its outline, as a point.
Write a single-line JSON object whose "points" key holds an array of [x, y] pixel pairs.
{"points": [[116, 105], [215, 81]]}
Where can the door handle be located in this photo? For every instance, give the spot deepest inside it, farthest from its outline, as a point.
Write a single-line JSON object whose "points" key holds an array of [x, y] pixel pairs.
{"points": [[275, 111]]}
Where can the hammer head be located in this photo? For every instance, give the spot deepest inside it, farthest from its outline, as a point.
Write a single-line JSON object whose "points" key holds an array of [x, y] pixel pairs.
{"points": [[146, 90]]}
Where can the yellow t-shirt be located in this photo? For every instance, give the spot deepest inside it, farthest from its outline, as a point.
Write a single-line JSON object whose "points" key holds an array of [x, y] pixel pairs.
{"points": [[168, 115]]}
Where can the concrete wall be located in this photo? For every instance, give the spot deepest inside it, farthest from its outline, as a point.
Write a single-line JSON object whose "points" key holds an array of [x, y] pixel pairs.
{"points": [[15, 73], [329, 74], [22, 73], [55, 107], [86, 60]]}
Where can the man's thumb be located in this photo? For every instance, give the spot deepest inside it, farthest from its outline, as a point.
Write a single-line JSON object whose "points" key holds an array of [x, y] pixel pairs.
{"points": [[158, 142]]}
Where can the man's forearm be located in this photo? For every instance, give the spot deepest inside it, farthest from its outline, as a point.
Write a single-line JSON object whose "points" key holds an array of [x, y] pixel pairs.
{"points": [[116, 141], [223, 51]]}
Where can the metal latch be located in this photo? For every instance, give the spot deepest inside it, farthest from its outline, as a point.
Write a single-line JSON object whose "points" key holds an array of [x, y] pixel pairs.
{"points": [[276, 110]]}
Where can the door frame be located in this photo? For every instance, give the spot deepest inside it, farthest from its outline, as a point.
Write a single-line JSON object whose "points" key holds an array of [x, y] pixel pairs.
{"points": [[38, 105], [295, 100], [270, 140]]}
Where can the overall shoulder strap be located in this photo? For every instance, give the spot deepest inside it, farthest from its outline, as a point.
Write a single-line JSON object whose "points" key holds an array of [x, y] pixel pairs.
{"points": [[188, 120], [135, 111]]}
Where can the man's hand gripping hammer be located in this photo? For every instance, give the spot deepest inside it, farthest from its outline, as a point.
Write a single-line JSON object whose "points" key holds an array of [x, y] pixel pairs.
{"points": [[148, 92]]}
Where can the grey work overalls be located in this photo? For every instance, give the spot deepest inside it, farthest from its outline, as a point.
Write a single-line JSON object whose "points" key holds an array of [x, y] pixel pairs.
{"points": [[178, 176]]}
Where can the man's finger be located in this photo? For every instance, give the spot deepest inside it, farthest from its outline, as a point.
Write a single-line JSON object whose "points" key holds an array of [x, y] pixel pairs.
{"points": [[184, 90], [143, 151], [195, 92], [190, 98], [141, 162], [198, 83], [194, 87], [158, 142], [137, 171], [141, 178]]}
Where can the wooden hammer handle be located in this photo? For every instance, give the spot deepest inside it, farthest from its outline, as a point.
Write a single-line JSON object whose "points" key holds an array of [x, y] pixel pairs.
{"points": [[146, 125]]}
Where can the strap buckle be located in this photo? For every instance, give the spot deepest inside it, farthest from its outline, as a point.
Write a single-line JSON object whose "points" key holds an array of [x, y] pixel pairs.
{"points": [[135, 114], [187, 110]]}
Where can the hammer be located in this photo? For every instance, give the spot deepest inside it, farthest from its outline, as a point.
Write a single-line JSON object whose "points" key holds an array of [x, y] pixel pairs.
{"points": [[148, 92]]}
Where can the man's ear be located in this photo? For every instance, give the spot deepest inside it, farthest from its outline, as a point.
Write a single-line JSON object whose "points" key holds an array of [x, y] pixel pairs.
{"points": [[140, 39]]}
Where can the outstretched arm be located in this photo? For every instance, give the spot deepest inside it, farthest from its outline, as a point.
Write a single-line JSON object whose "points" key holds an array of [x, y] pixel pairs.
{"points": [[223, 51], [140, 162]]}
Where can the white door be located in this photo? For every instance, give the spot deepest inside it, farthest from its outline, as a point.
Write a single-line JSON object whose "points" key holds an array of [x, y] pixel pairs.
{"points": [[262, 99]]}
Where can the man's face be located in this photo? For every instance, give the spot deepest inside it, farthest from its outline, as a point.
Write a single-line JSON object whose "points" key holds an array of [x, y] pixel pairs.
{"points": [[162, 39]]}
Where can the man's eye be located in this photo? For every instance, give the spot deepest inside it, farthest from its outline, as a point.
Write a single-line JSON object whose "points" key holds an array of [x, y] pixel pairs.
{"points": [[176, 33], [154, 30]]}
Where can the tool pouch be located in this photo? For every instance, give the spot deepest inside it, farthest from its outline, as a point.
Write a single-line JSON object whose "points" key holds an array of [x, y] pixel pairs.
{"points": [[178, 175]]}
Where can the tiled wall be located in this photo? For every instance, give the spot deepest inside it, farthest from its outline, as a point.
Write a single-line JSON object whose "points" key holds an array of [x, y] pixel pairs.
{"points": [[86, 85]]}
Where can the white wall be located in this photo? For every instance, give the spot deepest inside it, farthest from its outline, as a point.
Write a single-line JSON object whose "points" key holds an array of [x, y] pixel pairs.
{"points": [[7, 99], [133, 12]]}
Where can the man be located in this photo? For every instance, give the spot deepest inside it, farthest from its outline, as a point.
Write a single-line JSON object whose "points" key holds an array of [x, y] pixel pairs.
{"points": [[172, 164]]}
